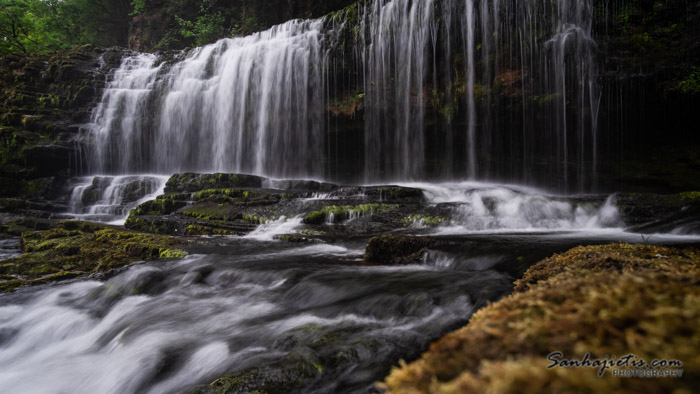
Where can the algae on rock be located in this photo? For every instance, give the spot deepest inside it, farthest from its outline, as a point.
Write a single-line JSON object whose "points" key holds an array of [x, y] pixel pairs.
{"points": [[73, 249]]}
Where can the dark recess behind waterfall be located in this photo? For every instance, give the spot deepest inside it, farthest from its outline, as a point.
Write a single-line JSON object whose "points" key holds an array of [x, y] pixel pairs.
{"points": [[648, 128]]}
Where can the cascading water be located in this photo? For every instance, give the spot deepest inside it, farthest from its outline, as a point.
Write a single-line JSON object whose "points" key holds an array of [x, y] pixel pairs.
{"points": [[484, 89], [252, 105], [395, 61], [110, 198], [475, 207]]}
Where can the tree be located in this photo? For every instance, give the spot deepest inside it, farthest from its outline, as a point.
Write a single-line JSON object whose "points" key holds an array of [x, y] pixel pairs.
{"points": [[38, 26], [16, 26]]}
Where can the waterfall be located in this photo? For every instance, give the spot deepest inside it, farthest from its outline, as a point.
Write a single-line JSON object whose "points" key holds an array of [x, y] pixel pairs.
{"points": [[111, 198], [252, 104], [396, 60], [483, 89]]}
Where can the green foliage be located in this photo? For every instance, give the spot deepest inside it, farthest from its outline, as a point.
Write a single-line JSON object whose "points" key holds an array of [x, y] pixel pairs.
{"points": [[691, 84], [214, 20], [41, 26], [8, 144], [138, 7], [205, 29]]}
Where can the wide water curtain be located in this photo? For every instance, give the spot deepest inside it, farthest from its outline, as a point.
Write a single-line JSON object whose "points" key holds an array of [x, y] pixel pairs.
{"points": [[486, 89], [513, 84]]}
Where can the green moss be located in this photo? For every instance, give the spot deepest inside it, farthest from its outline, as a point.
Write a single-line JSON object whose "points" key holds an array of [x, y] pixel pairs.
{"points": [[340, 213], [691, 83], [80, 248], [172, 254], [689, 196], [233, 193], [189, 182], [252, 219], [163, 205], [212, 211], [607, 300], [49, 100], [194, 230], [422, 219], [154, 225]]}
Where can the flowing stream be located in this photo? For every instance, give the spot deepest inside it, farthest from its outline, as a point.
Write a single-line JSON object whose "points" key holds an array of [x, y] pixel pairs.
{"points": [[309, 312], [167, 327], [290, 317]]}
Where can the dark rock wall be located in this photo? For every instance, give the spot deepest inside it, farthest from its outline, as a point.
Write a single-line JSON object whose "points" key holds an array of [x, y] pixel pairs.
{"points": [[649, 54], [45, 98]]}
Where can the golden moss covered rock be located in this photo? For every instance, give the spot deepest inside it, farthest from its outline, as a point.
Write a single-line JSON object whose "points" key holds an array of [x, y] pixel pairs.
{"points": [[606, 300]]}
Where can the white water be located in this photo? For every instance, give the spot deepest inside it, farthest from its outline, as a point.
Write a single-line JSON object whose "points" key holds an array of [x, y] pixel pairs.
{"points": [[268, 231], [483, 207], [167, 327], [111, 198]]}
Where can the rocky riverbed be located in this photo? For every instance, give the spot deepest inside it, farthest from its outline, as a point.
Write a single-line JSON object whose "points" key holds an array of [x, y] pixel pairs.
{"points": [[245, 283]]}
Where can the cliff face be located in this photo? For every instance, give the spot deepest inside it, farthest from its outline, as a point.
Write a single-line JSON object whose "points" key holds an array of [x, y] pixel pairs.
{"points": [[45, 98]]}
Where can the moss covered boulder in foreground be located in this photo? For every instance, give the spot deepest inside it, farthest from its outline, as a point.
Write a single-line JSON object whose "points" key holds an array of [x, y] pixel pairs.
{"points": [[607, 300], [75, 249]]}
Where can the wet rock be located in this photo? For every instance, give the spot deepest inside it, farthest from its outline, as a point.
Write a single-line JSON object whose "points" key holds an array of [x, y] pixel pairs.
{"points": [[285, 376], [180, 183], [399, 249], [235, 204], [649, 212], [74, 249], [386, 194], [15, 226], [44, 97]]}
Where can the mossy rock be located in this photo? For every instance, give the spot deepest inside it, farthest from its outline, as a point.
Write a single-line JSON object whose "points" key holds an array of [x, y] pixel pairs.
{"points": [[424, 220], [73, 249], [156, 224], [196, 230], [189, 182], [162, 205], [17, 227], [209, 211], [239, 196], [335, 213], [603, 300]]}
